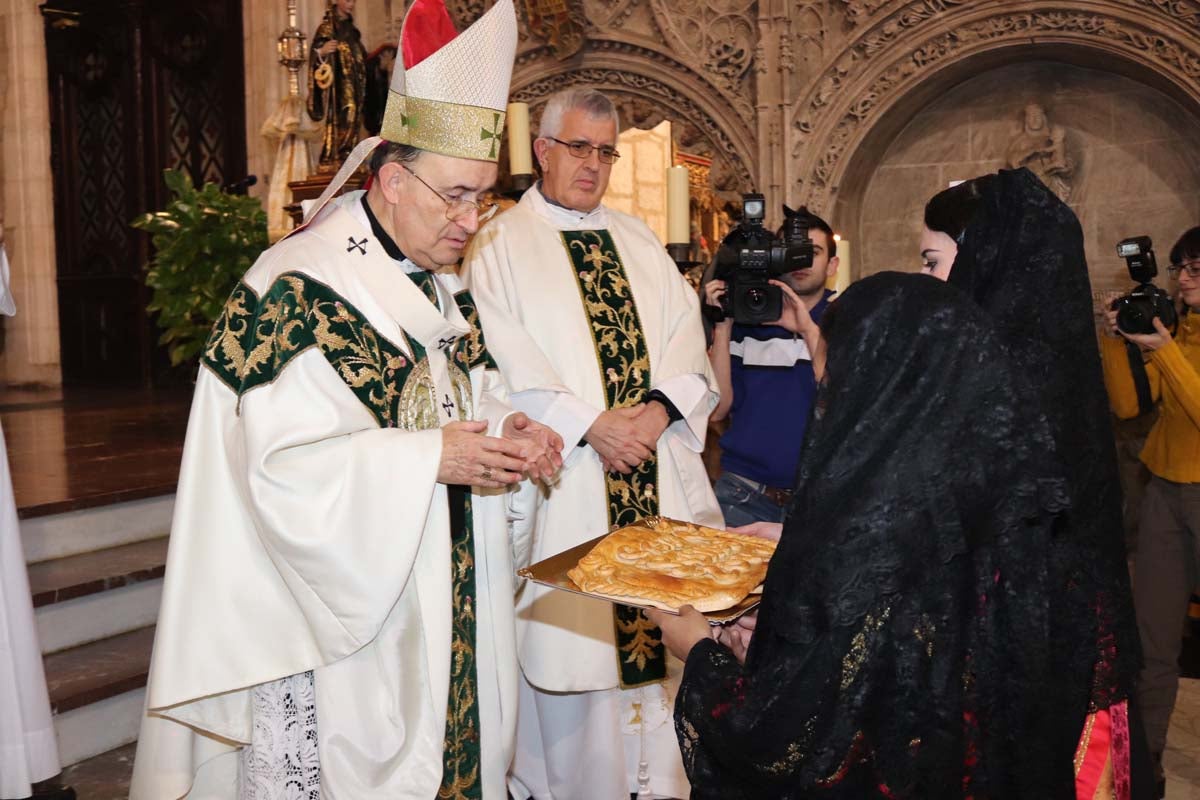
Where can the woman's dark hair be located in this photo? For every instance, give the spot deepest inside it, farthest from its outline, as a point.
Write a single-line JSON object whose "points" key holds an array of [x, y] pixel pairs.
{"points": [[950, 211], [1188, 247]]}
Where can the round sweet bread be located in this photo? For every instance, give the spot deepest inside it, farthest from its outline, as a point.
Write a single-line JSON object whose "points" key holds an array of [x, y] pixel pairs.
{"points": [[667, 564]]}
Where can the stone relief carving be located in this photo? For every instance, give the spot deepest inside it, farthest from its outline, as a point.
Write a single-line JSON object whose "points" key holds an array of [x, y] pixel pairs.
{"points": [[1041, 146], [1143, 42], [559, 22], [1187, 11], [858, 10], [608, 14], [717, 35]]}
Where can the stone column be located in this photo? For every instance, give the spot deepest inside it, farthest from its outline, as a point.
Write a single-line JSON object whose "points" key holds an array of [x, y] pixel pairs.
{"points": [[772, 70], [31, 347]]}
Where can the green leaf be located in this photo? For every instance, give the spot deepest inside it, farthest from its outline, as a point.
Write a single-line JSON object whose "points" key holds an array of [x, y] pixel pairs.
{"points": [[204, 240]]}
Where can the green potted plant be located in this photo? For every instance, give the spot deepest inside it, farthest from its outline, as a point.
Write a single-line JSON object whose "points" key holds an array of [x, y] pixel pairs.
{"points": [[204, 241]]}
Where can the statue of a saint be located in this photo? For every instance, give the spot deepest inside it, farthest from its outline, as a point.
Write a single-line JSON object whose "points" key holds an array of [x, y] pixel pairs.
{"points": [[1040, 147], [337, 82]]}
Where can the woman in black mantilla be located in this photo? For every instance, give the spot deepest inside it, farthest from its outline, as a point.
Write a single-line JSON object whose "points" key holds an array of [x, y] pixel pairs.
{"points": [[903, 644], [1017, 250]]}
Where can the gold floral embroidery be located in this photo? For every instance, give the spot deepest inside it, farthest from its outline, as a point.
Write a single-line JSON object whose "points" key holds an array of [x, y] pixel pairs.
{"points": [[623, 358], [853, 660], [461, 747]]}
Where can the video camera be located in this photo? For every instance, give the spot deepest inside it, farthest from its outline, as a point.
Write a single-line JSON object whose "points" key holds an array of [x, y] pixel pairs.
{"points": [[1136, 311], [750, 256]]}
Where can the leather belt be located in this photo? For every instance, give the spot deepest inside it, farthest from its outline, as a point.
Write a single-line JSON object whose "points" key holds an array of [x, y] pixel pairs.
{"points": [[777, 495], [781, 497]]}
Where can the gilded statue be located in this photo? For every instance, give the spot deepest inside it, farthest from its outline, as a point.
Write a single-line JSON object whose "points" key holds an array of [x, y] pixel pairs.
{"points": [[337, 82], [1040, 146]]}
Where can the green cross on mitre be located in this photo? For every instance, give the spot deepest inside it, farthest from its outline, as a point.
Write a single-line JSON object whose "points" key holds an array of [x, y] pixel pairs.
{"points": [[493, 134], [407, 120]]}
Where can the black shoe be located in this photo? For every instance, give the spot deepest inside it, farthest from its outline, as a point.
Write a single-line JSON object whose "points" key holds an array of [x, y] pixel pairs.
{"points": [[52, 790]]}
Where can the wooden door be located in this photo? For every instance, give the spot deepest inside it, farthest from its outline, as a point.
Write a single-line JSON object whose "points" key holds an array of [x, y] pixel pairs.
{"points": [[136, 86]]}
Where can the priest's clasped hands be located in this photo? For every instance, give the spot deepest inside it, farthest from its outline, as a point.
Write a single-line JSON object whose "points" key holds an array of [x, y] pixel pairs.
{"points": [[625, 437], [525, 449]]}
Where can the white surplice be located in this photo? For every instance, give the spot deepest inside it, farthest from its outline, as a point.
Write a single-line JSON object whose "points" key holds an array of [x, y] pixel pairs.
{"points": [[28, 749], [309, 537], [524, 285]]}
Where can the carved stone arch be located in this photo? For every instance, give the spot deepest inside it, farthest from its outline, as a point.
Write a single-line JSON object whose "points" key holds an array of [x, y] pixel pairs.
{"points": [[903, 55], [649, 87]]}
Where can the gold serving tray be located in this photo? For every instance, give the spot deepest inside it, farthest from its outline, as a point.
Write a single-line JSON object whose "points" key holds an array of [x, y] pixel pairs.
{"points": [[552, 572]]}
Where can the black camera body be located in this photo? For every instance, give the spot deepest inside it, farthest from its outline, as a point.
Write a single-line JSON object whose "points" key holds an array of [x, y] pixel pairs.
{"points": [[1136, 311], [751, 256]]}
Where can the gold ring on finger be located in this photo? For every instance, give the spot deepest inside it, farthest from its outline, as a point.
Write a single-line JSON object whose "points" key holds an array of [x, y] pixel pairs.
{"points": [[487, 473]]}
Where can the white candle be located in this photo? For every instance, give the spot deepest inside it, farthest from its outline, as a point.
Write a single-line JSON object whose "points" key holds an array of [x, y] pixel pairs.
{"points": [[678, 213], [841, 279], [520, 159]]}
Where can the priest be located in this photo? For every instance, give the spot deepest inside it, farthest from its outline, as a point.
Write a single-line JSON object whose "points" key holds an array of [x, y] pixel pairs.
{"points": [[599, 337], [337, 618]]}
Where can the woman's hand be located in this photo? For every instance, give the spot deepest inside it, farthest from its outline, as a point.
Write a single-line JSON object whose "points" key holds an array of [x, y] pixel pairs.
{"points": [[1149, 341], [681, 633], [763, 530]]}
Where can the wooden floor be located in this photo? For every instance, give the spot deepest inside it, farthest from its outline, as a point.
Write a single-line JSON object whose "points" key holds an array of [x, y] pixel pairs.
{"points": [[71, 449]]}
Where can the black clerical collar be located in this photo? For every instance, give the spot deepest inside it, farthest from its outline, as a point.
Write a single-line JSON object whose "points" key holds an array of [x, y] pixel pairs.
{"points": [[389, 244]]}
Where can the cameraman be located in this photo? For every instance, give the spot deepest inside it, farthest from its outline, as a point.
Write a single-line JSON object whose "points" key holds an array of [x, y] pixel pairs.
{"points": [[765, 373], [1168, 546]]}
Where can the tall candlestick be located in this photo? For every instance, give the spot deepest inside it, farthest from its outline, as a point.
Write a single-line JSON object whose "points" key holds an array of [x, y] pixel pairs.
{"points": [[841, 279], [678, 213], [520, 159]]}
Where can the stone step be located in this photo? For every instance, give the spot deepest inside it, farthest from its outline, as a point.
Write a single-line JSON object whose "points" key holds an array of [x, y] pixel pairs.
{"points": [[102, 777], [97, 691], [89, 529], [87, 597]]}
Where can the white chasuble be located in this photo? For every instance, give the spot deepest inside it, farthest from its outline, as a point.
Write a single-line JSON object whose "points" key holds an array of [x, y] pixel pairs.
{"points": [[531, 305], [311, 536]]}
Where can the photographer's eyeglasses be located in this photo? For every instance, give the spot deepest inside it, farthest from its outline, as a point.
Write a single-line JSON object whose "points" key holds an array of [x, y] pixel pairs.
{"points": [[606, 153], [456, 209], [1191, 267]]}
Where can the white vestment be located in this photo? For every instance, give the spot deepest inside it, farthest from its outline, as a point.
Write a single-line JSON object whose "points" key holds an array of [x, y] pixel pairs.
{"points": [[311, 534], [28, 749], [528, 297]]}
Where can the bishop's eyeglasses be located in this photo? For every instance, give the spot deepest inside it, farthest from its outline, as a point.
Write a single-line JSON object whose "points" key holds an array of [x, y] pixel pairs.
{"points": [[457, 207], [580, 149]]}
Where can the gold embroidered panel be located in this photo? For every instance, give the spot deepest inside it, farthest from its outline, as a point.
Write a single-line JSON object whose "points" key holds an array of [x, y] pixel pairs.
{"points": [[623, 359]]}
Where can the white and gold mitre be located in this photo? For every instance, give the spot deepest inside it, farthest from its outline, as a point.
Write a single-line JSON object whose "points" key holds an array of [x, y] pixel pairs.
{"points": [[449, 91]]}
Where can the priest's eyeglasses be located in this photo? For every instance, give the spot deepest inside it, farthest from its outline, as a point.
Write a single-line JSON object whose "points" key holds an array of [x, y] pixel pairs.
{"points": [[457, 207], [1192, 268], [580, 149]]}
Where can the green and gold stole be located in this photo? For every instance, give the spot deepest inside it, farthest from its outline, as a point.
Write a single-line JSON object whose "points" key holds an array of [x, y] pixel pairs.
{"points": [[624, 361], [252, 342]]}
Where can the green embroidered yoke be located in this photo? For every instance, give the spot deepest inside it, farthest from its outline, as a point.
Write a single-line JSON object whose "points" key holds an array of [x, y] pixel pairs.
{"points": [[254, 340], [624, 362]]}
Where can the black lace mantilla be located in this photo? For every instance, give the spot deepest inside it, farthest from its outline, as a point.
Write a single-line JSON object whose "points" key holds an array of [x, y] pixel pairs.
{"points": [[1022, 260], [904, 643]]}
